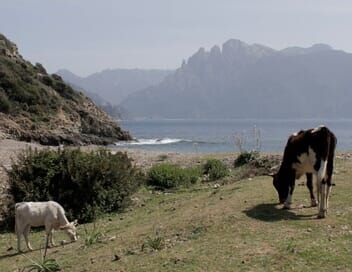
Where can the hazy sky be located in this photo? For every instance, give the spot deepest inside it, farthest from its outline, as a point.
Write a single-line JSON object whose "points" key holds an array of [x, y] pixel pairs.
{"points": [[86, 36]]}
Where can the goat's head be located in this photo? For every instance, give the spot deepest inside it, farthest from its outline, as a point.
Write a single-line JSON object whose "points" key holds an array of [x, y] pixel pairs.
{"points": [[70, 229]]}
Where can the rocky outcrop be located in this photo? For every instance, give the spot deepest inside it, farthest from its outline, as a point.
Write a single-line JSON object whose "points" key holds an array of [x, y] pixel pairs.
{"points": [[36, 106]]}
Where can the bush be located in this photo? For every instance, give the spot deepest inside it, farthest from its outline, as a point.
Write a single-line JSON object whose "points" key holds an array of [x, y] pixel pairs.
{"points": [[85, 184], [167, 176], [5, 104], [215, 169], [246, 157]]}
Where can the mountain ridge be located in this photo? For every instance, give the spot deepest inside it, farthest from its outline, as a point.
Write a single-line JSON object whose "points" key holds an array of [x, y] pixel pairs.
{"points": [[114, 85], [251, 81]]}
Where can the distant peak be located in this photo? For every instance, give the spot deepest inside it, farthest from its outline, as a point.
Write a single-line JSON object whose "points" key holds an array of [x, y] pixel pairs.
{"points": [[295, 50], [237, 47], [321, 47], [201, 51], [215, 50], [234, 43]]}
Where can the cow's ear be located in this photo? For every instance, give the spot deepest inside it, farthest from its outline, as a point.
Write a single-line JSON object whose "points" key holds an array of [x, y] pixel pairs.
{"points": [[64, 227], [75, 222], [271, 175]]}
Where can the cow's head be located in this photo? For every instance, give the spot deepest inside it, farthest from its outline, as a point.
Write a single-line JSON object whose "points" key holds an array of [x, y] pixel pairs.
{"points": [[280, 187]]}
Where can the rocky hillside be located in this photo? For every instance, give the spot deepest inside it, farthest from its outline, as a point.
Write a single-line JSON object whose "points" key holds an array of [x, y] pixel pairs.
{"points": [[36, 106], [241, 80]]}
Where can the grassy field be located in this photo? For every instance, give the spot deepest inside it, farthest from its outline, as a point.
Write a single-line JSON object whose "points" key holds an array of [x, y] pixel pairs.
{"points": [[236, 227]]}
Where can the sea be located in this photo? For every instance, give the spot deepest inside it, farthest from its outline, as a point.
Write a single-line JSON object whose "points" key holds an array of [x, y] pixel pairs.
{"points": [[226, 135]]}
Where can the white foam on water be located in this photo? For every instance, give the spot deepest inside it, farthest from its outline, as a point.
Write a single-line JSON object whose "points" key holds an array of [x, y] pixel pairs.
{"points": [[158, 141]]}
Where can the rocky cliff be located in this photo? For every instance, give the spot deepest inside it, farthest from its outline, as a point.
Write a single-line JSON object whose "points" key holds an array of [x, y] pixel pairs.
{"points": [[36, 106]]}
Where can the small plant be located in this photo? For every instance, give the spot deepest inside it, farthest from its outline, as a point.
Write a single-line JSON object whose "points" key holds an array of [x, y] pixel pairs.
{"points": [[197, 232], [162, 157], [42, 265], [246, 157], [93, 236], [215, 169], [251, 153], [251, 140], [167, 176], [5, 104], [155, 243]]}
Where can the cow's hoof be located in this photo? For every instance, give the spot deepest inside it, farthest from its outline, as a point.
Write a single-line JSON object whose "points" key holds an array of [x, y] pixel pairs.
{"points": [[313, 203], [321, 215]]}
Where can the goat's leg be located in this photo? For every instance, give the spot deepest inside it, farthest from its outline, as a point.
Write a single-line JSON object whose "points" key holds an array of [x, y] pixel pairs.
{"points": [[19, 232], [52, 243], [26, 233], [48, 229]]}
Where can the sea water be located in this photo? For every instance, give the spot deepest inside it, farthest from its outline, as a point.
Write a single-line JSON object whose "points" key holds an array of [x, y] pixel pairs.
{"points": [[226, 135]]}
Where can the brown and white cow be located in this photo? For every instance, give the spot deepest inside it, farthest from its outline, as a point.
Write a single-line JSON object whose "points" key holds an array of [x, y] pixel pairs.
{"points": [[309, 152]]}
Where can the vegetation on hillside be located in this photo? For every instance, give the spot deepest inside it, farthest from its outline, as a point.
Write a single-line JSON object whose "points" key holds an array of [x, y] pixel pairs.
{"points": [[168, 176], [41, 107], [215, 169]]}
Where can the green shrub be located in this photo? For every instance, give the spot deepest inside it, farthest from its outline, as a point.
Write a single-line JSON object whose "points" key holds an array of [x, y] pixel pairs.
{"points": [[167, 176], [85, 184], [47, 80], [246, 157], [215, 169], [40, 68], [5, 104]]}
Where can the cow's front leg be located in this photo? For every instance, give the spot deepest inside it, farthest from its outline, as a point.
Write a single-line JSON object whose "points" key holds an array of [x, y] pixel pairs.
{"points": [[291, 187], [310, 186], [288, 202]]}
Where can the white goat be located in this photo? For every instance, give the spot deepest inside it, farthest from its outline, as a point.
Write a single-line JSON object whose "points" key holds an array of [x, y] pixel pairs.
{"points": [[49, 214]]}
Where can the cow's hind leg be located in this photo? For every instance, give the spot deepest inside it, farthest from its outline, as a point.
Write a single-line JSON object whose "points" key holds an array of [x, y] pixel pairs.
{"points": [[329, 172], [311, 189], [321, 182]]}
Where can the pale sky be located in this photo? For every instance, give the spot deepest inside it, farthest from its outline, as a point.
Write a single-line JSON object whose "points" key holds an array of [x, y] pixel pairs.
{"points": [[87, 36]]}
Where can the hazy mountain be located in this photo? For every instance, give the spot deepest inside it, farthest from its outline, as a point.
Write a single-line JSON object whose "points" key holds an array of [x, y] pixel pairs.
{"points": [[252, 81], [36, 106], [115, 111], [116, 84]]}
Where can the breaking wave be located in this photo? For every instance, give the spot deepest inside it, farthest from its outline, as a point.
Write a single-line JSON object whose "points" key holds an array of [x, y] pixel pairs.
{"points": [[158, 141]]}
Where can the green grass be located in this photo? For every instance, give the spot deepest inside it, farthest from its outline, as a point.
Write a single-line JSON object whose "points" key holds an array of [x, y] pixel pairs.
{"points": [[237, 227]]}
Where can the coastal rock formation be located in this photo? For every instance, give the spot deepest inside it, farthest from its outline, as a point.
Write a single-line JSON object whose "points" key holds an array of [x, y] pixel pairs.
{"points": [[241, 80], [36, 106]]}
